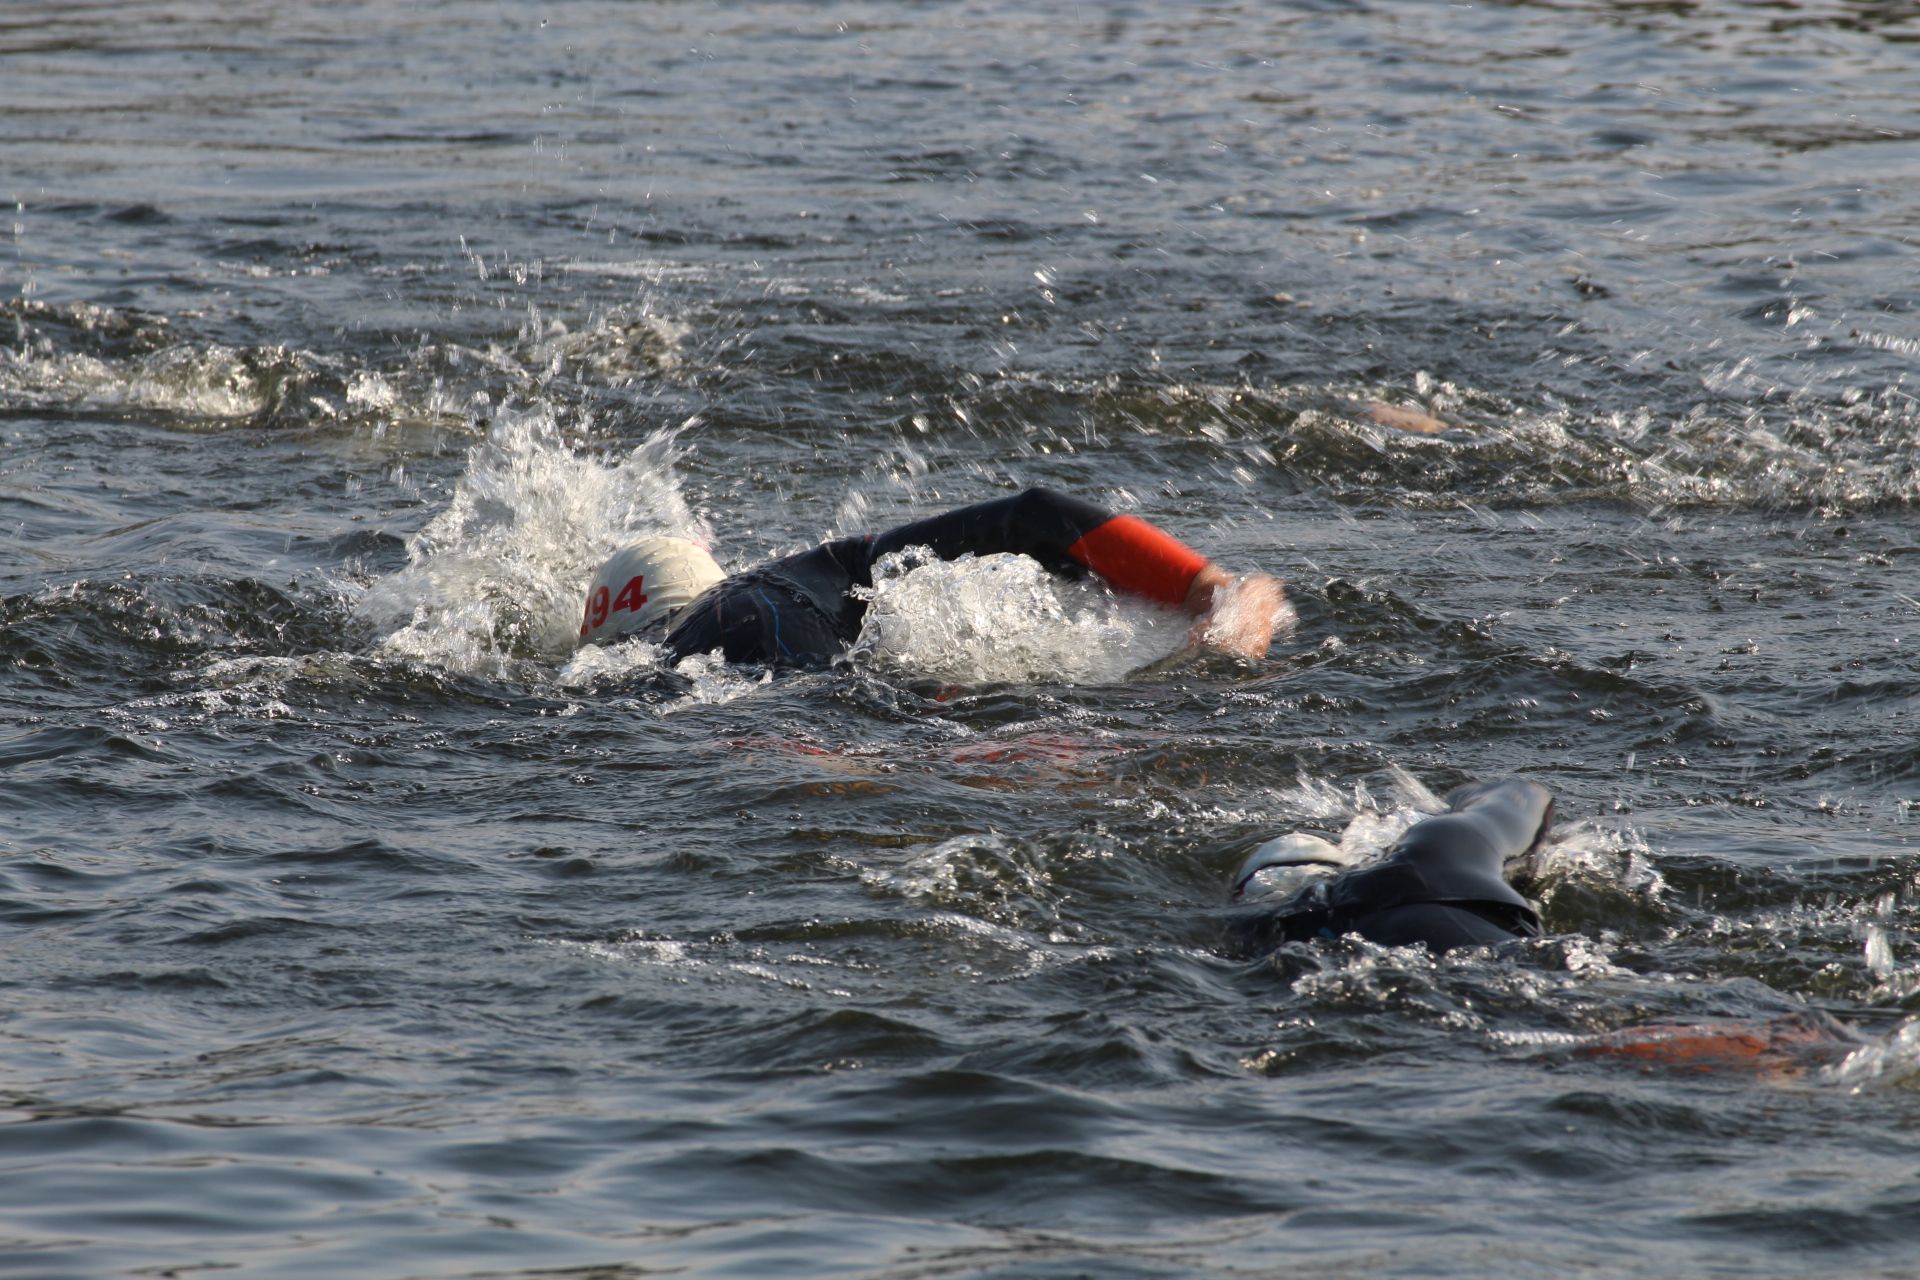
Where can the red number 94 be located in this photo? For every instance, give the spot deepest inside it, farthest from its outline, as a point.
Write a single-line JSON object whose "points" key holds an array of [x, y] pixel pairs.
{"points": [[631, 599]]}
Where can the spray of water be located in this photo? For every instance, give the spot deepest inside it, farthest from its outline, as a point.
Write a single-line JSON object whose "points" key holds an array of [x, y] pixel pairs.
{"points": [[1003, 618], [498, 575], [1889, 1060]]}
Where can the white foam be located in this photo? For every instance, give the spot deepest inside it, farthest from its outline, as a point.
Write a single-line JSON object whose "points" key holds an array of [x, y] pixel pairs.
{"points": [[1586, 852], [714, 682], [1003, 618], [211, 381], [499, 575], [1891, 1059]]}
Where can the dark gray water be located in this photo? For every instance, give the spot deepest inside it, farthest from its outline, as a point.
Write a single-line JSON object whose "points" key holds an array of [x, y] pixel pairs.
{"points": [[351, 925]]}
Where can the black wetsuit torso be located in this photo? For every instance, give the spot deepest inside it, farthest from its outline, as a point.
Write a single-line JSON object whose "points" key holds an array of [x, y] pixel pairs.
{"points": [[801, 611], [1441, 886]]}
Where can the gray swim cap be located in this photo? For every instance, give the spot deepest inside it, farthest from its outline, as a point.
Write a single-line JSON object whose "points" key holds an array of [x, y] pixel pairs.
{"points": [[643, 583]]}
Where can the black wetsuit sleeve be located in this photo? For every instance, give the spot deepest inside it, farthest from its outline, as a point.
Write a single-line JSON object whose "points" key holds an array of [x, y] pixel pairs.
{"points": [[1038, 523]]}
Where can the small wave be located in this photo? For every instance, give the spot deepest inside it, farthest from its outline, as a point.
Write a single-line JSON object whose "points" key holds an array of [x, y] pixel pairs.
{"points": [[210, 387], [714, 683], [206, 386], [140, 624], [1740, 444], [985, 877], [83, 357], [1799, 455]]}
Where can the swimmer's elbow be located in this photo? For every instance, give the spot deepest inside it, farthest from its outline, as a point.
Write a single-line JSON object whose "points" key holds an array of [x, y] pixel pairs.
{"points": [[1040, 498]]}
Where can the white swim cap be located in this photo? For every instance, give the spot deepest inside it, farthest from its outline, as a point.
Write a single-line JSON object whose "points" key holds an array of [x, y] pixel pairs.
{"points": [[1285, 864], [643, 583]]}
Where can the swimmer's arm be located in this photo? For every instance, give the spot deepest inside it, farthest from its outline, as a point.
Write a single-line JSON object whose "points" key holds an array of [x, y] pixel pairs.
{"points": [[1237, 615]]}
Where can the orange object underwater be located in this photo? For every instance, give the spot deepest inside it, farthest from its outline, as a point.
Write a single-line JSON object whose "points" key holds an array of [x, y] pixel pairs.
{"points": [[1777, 1047]]}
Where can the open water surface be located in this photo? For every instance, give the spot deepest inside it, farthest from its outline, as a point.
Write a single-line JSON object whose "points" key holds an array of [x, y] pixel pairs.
{"points": [[350, 924]]}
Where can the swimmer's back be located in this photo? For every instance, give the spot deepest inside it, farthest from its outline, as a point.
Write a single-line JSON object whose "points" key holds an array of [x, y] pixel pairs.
{"points": [[1441, 886], [802, 610]]}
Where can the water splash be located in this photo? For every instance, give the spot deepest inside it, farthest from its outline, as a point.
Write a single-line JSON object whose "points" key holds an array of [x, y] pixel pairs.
{"points": [[497, 576], [1368, 825], [1003, 618], [714, 683], [1879, 953], [1893, 1059], [613, 349], [1587, 853]]}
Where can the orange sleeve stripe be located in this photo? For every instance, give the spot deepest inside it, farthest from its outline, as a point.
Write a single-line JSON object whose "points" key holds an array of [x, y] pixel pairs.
{"points": [[1138, 558]]}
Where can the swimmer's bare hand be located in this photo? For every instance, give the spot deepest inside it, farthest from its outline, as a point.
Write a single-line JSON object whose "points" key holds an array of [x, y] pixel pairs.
{"points": [[1237, 615]]}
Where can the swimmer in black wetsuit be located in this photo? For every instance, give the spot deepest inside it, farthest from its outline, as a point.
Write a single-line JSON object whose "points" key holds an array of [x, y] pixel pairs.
{"points": [[1442, 885], [802, 611]]}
